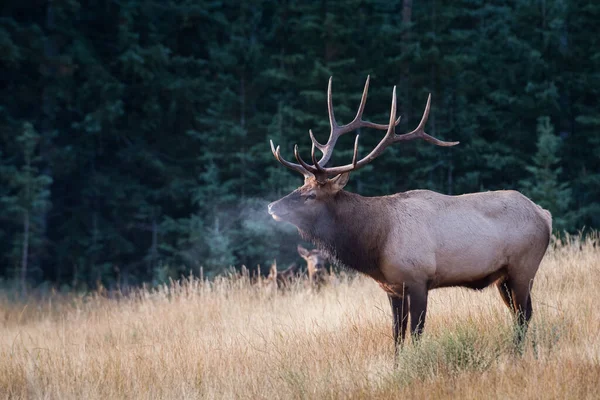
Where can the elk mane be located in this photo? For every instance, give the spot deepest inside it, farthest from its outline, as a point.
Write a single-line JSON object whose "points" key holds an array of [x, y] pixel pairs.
{"points": [[349, 245]]}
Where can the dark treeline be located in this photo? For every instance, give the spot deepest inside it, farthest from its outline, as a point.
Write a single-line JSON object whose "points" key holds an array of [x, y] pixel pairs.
{"points": [[134, 134]]}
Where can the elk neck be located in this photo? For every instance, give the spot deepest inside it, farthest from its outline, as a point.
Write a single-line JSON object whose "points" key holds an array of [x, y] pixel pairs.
{"points": [[352, 232]]}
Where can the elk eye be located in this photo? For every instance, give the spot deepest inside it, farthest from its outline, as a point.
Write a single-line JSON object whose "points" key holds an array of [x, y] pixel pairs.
{"points": [[311, 196]]}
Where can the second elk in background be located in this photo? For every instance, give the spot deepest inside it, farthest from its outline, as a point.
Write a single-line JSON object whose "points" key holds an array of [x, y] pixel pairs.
{"points": [[316, 267]]}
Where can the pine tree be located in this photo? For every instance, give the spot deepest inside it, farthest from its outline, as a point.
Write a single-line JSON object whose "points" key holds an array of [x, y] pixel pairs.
{"points": [[544, 186], [581, 120], [27, 199], [154, 118]]}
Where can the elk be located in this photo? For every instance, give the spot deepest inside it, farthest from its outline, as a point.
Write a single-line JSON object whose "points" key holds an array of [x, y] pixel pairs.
{"points": [[283, 279], [419, 240], [316, 265]]}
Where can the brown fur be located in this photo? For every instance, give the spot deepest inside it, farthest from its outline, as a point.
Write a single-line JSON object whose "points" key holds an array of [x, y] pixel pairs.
{"points": [[316, 267], [283, 279], [420, 240]]}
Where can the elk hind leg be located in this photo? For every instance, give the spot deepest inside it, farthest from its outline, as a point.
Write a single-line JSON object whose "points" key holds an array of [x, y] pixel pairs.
{"points": [[524, 310], [418, 311], [522, 307], [505, 293], [400, 320]]}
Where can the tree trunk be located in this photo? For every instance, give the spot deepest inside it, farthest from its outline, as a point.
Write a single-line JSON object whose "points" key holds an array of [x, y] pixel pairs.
{"points": [[154, 246], [25, 254], [47, 121], [405, 69], [450, 176], [243, 125], [406, 14]]}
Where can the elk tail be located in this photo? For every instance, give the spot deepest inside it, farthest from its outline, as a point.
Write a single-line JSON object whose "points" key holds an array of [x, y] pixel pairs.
{"points": [[548, 220], [548, 216]]}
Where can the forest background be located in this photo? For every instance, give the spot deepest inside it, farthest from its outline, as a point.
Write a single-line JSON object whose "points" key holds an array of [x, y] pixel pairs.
{"points": [[134, 134]]}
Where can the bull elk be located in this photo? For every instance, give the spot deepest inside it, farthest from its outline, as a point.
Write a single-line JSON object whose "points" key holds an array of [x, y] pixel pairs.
{"points": [[419, 240]]}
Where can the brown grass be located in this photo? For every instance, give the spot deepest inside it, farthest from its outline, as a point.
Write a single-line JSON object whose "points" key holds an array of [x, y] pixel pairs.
{"points": [[229, 339]]}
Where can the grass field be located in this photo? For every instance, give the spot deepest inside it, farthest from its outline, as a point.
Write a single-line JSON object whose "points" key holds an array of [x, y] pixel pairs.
{"points": [[230, 339]]}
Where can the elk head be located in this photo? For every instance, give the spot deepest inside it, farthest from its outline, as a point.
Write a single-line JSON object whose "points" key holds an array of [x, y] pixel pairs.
{"points": [[316, 262], [311, 204]]}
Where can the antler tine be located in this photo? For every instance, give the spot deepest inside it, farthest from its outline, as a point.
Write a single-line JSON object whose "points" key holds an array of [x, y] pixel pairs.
{"points": [[389, 135], [309, 168], [332, 120], [294, 167], [387, 139], [363, 100], [314, 159], [357, 122], [419, 131], [354, 157], [314, 141], [312, 155], [391, 128]]}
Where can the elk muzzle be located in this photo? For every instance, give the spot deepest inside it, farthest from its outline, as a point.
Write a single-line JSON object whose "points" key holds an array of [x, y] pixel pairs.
{"points": [[276, 210]]}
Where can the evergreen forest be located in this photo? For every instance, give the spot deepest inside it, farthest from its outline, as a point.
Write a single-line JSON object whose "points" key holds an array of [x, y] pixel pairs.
{"points": [[134, 135]]}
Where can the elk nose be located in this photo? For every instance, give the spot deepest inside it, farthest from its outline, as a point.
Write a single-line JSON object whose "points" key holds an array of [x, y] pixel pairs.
{"points": [[270, 208]]}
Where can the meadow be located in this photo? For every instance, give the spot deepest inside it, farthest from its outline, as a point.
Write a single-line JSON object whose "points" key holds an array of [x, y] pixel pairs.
{"points": [[230, 338]]}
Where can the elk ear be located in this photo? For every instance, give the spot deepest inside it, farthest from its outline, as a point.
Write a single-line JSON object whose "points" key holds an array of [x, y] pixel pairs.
{"points": [[273, 271], [302, 251], [338, 182]]}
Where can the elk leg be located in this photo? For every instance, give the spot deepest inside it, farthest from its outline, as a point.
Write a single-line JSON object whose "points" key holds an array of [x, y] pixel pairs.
{"points": [[400, 319], [505, 293], [523, 309], [418, 311]]}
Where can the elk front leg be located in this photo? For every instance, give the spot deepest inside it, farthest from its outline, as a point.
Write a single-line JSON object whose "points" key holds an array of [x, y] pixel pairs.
{"points": [[399, 305], [418, 310]]}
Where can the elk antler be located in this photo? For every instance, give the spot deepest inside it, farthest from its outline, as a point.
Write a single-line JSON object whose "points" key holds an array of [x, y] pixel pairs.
{"points": [[290, 165], [318, 170], [337, 130], [335, 133]]}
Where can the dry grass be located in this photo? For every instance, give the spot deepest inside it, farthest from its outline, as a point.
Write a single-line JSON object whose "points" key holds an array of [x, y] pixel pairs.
{"points": [[229, 339]]}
